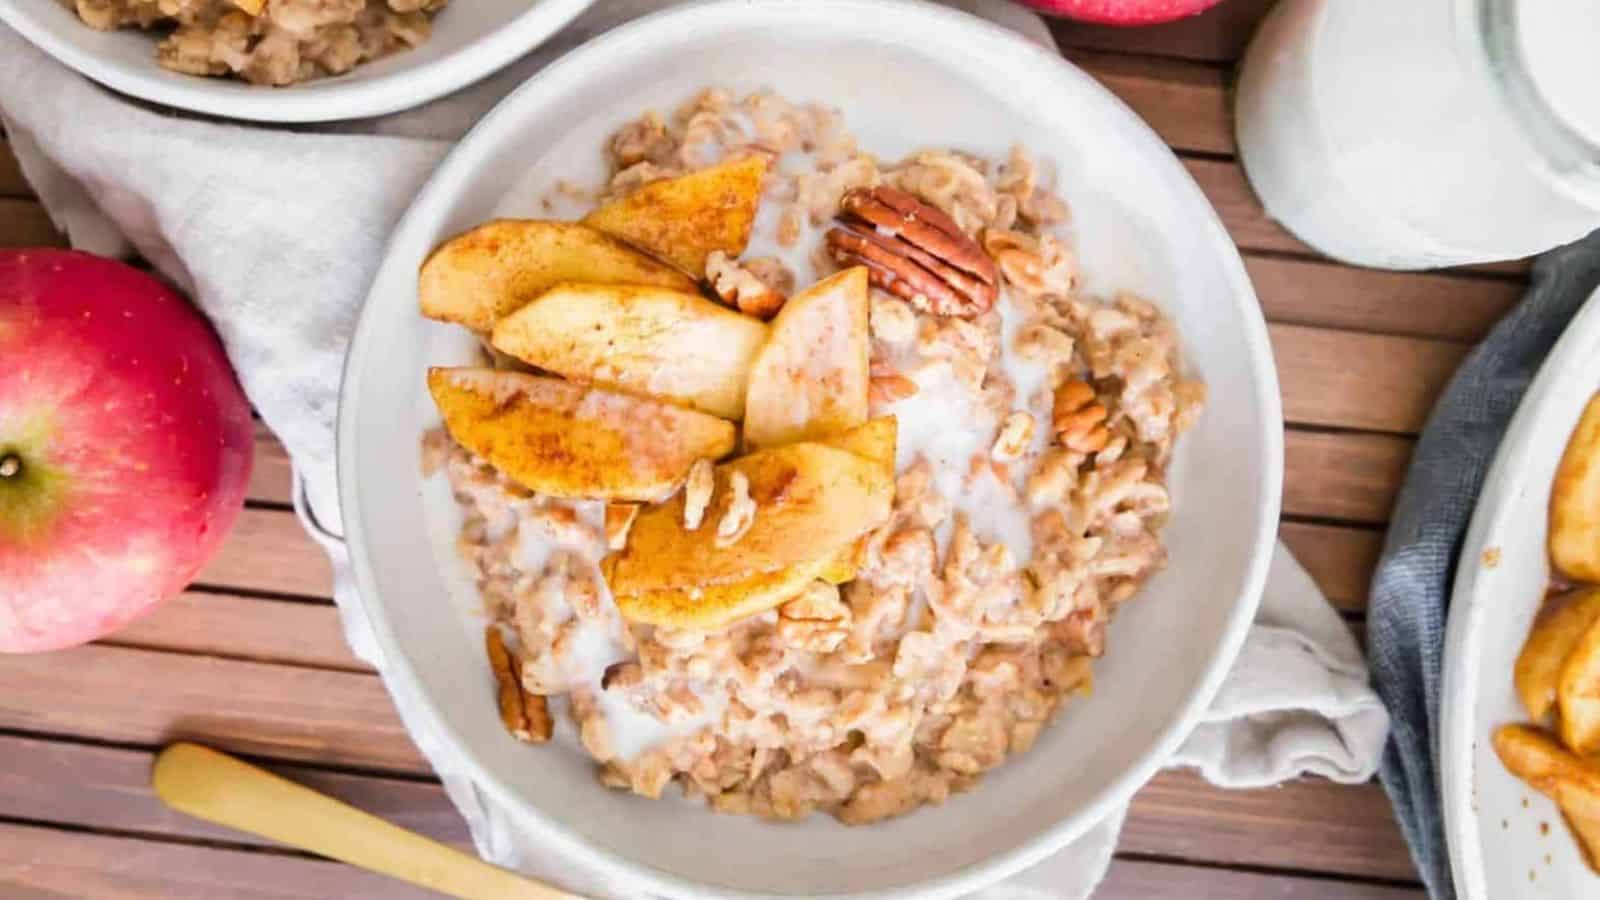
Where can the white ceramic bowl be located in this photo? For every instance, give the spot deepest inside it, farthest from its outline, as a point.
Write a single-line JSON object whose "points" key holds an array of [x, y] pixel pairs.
{"points": [[1506, 839], [471, 38], [904, 75]]}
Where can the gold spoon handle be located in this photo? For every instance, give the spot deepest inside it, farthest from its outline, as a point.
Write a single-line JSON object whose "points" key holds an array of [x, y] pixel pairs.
{"points": [[218, 788]]}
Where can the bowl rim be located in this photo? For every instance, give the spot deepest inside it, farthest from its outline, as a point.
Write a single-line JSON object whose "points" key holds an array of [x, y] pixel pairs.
{"points": [[1106, 800], [322, 100], [1500, 510]]}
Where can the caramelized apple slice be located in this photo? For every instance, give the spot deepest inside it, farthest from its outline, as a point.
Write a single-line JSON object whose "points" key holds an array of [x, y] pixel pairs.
{"points": [[681, 220], [719, 605], [810, 378], [475, 278], [567, 440], [648, 341], [811, 502], [876, 441]]}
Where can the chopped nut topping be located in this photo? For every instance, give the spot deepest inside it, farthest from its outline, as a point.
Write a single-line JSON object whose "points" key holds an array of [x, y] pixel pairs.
{"points": [[697, 493], [741, 511], [622, 676], [1016, 436], [740, 288], [893, 321], [1034, 265], [883, 390], [816, 621], [1078, 418]]}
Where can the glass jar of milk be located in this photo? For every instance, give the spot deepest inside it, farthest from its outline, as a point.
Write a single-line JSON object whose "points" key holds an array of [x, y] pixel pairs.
{"points": [[1418, 133]]}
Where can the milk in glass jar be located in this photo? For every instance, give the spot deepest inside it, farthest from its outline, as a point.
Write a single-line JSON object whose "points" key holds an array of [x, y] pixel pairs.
{"points": [[1410, 134]]}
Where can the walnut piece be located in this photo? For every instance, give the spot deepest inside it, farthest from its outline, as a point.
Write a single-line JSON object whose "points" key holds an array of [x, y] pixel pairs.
{"points": [[740, 288], [893, 322], [1037, 266], [741, 513], [817, 621], [1078, 419], [526, 715], [883, 390], [1016, 436], [914, 251], [697, 493]]}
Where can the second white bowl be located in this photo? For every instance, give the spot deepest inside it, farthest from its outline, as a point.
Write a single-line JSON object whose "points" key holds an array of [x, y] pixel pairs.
{"points": [[471, 38]]}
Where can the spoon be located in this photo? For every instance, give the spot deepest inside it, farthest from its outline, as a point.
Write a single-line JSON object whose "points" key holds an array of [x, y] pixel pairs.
{"points": [[216, 787]]}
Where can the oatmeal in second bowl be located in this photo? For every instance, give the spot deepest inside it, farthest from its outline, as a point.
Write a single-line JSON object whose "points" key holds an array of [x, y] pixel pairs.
{"points": [[798, 452], [287, 60]]}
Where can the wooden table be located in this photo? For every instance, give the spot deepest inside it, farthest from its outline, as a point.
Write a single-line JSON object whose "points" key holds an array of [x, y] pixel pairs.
{"points": [[251, 659]]}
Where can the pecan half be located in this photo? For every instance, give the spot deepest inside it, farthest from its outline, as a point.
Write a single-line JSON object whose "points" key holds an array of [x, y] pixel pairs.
{"points": [[914, 251], [526, 715], [1078, 419]]}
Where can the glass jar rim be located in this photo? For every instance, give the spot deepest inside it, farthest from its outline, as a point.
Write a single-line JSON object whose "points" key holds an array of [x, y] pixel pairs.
{"points": [[1486, 31]]}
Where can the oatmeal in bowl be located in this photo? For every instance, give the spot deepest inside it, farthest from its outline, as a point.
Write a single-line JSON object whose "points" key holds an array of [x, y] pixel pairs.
{"points": [[277, 43], [824, 504], [708, 599], [287, 60]]}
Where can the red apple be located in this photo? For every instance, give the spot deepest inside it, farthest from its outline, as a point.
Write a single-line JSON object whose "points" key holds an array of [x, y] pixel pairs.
{"points": [[1122, 12], [125, 446]]}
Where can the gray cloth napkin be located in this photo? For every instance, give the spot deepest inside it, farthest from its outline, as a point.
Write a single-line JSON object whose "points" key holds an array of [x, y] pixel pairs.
{"points": [[275, 233], [1411, 589]]}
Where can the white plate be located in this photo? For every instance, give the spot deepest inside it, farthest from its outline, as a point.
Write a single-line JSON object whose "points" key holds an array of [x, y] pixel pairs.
{"points": [[905, 75], [471, 38], [1506, 840]]}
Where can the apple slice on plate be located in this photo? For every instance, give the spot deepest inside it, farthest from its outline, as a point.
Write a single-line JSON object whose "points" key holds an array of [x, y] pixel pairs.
{"points": [[683, 219], [569, 440], [1575, 501], [1555, 635], [1578, 694], [810, 378], [650, 341], [477, 277]]}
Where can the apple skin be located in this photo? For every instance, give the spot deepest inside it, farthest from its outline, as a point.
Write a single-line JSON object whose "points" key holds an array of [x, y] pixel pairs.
{"points": [[1122, 12], [125, 446]]}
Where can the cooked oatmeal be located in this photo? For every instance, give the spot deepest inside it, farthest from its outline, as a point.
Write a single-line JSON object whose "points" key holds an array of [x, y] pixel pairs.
{"points": [[1033, 444], [275, 42]]}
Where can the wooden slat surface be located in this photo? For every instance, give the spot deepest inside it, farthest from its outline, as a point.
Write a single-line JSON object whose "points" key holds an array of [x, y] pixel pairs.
{"points": [[1340, 559], [1186, 104], [1217, 36], [38, 863], [253, 661], [65, 784], [1345, 379], [1453, 307], [269, 551], [271, 478], [1342, 476], [23, 223], [1140, 880], [151, 697], [217, 624], [12, 184]]}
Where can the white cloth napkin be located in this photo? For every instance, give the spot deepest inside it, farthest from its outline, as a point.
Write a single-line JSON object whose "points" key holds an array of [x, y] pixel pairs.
{"points": [[276, 233]]}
